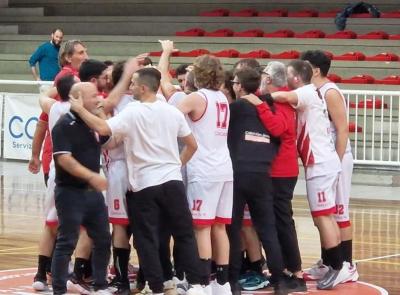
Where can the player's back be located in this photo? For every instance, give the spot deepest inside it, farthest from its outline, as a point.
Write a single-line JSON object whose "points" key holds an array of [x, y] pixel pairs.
{"points": [[211, 162]]}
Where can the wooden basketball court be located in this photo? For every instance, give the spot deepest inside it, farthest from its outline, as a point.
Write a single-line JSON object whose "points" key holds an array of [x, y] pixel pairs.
{"points": [[376, 225]]}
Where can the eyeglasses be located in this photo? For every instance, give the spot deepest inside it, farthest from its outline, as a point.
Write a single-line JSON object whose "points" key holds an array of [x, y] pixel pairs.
{"points": [[235, 82]]}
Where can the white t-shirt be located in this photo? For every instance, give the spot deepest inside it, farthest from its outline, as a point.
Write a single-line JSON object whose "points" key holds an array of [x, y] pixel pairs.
{"points": [[323, 90], [176, 98], [314, 139], [150, 132], [58, 109], [212, 161]]}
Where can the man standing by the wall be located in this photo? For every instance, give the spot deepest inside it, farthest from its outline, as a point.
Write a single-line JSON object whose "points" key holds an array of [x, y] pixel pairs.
{"points": [[47, 57]]}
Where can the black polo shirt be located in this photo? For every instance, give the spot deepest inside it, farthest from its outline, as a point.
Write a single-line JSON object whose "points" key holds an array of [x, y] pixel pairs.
{"points": [[72, 136]]}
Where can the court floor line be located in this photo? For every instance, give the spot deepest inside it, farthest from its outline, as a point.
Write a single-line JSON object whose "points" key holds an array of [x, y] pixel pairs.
{"points": [[378, 258]]}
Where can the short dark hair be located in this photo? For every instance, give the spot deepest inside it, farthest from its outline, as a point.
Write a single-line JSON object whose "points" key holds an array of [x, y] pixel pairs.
{"points": [[302, 69], [147, 61], [249, 78], [318, 59], [91, 68], [108, 62], [57, 29], [248, 63], [228, 84], [181, 69], [64, 85], [117, 71], [149, 77]]}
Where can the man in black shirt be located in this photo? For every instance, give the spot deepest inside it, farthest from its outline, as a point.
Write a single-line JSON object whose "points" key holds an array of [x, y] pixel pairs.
{"points": [[252, 150], [78, 197]]}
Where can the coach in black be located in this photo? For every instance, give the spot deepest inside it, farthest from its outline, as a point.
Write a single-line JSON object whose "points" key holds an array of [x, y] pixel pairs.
{"points": [[252, 151], [78, 197]]}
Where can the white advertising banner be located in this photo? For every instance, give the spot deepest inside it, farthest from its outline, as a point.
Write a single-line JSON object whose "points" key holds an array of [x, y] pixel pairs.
{"points": [[21, 111]]}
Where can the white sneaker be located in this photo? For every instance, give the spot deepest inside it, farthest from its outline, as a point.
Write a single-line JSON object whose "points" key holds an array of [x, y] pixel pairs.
{"points": [[316, 272], [196, 290], [353, 273], [170, 288], [39, 285], [334, 277], [208, 290], [181, 285], [101, 292], [221, 289]]}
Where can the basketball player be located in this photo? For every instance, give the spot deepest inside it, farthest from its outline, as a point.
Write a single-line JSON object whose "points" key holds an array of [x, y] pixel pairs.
{"points": [[336, 104]]}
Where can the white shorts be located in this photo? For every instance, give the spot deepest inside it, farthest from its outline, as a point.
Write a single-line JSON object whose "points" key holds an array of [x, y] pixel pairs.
{"points": [[343, 190], [321, 194], [118, 185], [247, 217], [210, 202], [50, 206]]}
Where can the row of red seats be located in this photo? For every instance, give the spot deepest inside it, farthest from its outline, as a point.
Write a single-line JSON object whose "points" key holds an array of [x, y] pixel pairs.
{"points": [[292, 54], [285, 13], [314, 34], [365, 79]]}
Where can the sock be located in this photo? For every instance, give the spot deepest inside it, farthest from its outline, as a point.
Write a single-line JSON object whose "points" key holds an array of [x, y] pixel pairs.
{"points": [[245, 263], [79, 267], [206, 271], [335, 257], [257, 266], [48, 266], [213, 267], [87, 269], [347, 250], [222, 274], [43, 262], [324, 257], [140, 282], [121, 261]]}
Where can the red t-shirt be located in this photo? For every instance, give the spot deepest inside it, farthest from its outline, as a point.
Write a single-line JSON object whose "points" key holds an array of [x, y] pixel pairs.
{"points": [[47, 152], [282, 124]]}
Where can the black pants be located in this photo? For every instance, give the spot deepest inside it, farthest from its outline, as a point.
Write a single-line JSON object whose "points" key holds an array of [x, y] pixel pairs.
{"points": [[76, 207], [144, 208], [255, 189], [283, 194]]}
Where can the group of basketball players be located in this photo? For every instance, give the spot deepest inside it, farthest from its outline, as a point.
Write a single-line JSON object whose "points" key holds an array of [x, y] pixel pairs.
{"points": [[212, 164]]}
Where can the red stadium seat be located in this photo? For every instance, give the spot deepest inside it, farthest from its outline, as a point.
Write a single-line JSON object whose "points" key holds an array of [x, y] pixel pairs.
{"points": [[385, 56], [274, 13], [194, 32], [369, 103], [360, 79], [374, 35], [329, 54], [389, 80], [193, 53], [303, 13], [255, 54], [316, 34], [158, 53], [292, 54], [250, 33], [342, 35], [219, 33], [280, 34], [394, 37], [350, 56], [393, 14], [244, 13], [353, 128], [227, 53], [216, 12], [334, 78], [330, 13]]}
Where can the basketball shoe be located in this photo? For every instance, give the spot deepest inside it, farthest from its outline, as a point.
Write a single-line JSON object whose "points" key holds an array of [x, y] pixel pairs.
{"points": [[316, 272], [334, 277]]}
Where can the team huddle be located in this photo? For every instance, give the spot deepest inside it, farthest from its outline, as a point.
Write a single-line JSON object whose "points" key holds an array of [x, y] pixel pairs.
{"points": [[211, 164]]}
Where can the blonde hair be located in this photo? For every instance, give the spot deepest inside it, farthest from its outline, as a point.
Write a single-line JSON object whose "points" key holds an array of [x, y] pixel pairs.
{"points": [[208, 72]]}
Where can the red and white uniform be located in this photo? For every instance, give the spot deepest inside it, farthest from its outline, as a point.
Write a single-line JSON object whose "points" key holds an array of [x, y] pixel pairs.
{"points": [[58, 109], [117, 176], [209, 172], [344, 183], [317, 151]]}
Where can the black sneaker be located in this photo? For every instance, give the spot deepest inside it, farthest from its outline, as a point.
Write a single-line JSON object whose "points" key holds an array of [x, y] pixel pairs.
{"points": [[295, 284], [280, 288], [122, 289]]}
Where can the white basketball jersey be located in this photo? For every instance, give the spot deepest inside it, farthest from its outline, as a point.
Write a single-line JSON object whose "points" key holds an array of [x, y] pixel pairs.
{"points": [[118, 153], [314, 139], [323, 89], [211, 162]]}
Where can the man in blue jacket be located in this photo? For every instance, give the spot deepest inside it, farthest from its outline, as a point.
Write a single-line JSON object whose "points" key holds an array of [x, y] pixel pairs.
{"points": [[47, 57]]}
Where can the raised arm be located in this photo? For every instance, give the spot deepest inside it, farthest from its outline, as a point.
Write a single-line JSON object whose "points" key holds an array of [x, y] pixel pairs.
{"points": [[46, 99], [167, 87]]}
